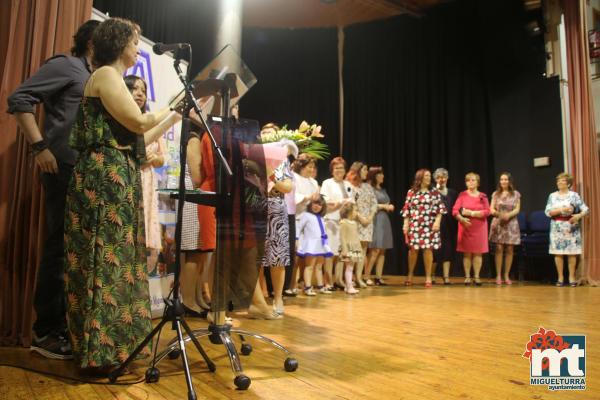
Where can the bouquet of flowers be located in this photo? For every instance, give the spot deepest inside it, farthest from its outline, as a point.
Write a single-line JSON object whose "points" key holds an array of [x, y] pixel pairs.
{"points": [[305, 138]]}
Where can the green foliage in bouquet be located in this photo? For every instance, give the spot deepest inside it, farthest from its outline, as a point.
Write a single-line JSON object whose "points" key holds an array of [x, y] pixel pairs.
{"points": [[305, 138]]}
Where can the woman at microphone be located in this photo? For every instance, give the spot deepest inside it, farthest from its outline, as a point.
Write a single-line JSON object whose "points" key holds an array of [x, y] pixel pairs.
{"points": [[106, 281]]}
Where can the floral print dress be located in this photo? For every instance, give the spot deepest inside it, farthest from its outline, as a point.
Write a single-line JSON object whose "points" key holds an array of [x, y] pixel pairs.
{"points": [[505, 232], [421, 208], [366, 205], [106, 282], [565, 237]]}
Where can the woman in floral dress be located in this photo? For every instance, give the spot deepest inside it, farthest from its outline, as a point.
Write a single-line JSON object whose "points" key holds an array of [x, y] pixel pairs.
{"points": [[106, 283], [504, 230], [422, 212], [366, 207], [566, 208]]}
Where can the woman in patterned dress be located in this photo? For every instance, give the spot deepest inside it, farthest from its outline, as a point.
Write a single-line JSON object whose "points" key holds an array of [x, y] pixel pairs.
{"points": [[422, 212], [155, 158], [366, 204], [504, 230], [106, 282], [566, 208], [277, 254]]}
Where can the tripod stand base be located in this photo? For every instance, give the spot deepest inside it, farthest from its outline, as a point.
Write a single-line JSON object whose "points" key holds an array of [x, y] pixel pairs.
{"points": [[221, 334]]}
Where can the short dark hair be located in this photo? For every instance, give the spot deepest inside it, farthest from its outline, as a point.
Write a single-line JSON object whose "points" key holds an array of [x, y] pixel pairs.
{"points": [[302, 162], [320, 201], [82, 38], [130, 81], [110, 39]]}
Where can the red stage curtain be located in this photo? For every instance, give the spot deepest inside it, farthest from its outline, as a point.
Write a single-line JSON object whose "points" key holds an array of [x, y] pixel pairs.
{"points": [[30, 32], [585, 165]]}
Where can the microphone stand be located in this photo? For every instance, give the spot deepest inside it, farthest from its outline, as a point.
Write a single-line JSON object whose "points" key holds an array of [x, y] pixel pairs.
{"points": [[174, 311], [218, 331]]}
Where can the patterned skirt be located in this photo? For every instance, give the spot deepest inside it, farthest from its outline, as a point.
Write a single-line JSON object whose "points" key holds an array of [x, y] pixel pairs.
{"points": [[277, 251], [106, 279]]}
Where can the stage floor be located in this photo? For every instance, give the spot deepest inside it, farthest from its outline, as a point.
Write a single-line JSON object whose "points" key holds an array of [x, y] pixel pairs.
{"points": [[394, 342]]}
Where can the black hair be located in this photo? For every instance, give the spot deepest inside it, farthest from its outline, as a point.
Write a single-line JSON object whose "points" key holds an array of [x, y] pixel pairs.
{"points": [[130, 81], [82, 38]]}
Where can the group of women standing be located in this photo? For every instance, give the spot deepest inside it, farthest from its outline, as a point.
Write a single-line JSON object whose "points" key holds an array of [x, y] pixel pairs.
{"points": [[428, 226]]}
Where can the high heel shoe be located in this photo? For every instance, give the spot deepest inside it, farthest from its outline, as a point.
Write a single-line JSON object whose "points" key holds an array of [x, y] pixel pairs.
{"points": [[477, 282], [255, 313], [467, 281], [447, 281]]}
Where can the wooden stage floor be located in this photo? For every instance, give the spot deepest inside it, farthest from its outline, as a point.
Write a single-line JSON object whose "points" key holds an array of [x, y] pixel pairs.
{"points": [[448, 342]]}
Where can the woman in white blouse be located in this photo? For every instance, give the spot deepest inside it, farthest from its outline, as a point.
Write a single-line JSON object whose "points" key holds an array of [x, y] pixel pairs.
{"points": [[337, 192]]}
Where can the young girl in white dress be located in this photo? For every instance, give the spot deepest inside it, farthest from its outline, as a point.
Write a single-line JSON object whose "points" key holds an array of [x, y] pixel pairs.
{"points": [[312, 243], [350, 248]]}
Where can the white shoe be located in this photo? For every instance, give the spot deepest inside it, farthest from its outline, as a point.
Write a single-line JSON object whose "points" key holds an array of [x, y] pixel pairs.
{"points": [[325, 290], [309, 292], [369, 282]]}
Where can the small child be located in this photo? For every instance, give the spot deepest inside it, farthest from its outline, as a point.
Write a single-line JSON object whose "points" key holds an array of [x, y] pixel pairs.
{"points": [[313, 245], [350, 248]]}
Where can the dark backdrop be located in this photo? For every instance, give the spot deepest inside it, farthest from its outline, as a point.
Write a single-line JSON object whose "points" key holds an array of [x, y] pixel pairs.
{"points": [[416, 97], [297, 72], [460, 88]]}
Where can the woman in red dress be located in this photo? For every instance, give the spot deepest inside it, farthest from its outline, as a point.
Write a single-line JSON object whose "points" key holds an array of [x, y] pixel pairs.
{"points": [[471, 210]]}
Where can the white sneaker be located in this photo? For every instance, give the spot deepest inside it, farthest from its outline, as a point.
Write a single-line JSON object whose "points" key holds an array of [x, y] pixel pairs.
{"points": [[309, 292], [325, 290]]}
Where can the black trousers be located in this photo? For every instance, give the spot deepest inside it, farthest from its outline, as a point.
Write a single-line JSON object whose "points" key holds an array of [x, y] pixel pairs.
{"points": [[49, 299]]}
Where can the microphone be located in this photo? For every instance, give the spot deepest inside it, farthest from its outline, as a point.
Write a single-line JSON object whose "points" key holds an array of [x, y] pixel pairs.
{"points": [[160, 48]]}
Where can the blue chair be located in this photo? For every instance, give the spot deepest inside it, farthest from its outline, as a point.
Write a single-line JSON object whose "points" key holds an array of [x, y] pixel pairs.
{"points": [[535, 246], [519, 251]]}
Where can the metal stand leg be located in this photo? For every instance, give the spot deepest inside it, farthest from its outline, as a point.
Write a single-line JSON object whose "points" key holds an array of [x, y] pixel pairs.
{"points": [[221, 334]]}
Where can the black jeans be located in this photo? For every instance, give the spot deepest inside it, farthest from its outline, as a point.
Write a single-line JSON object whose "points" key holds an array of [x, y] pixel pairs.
{"points": [[49, 299]]}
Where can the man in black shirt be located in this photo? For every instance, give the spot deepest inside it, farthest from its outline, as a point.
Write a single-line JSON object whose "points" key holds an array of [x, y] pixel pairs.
{"points": [[59, 85]]}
